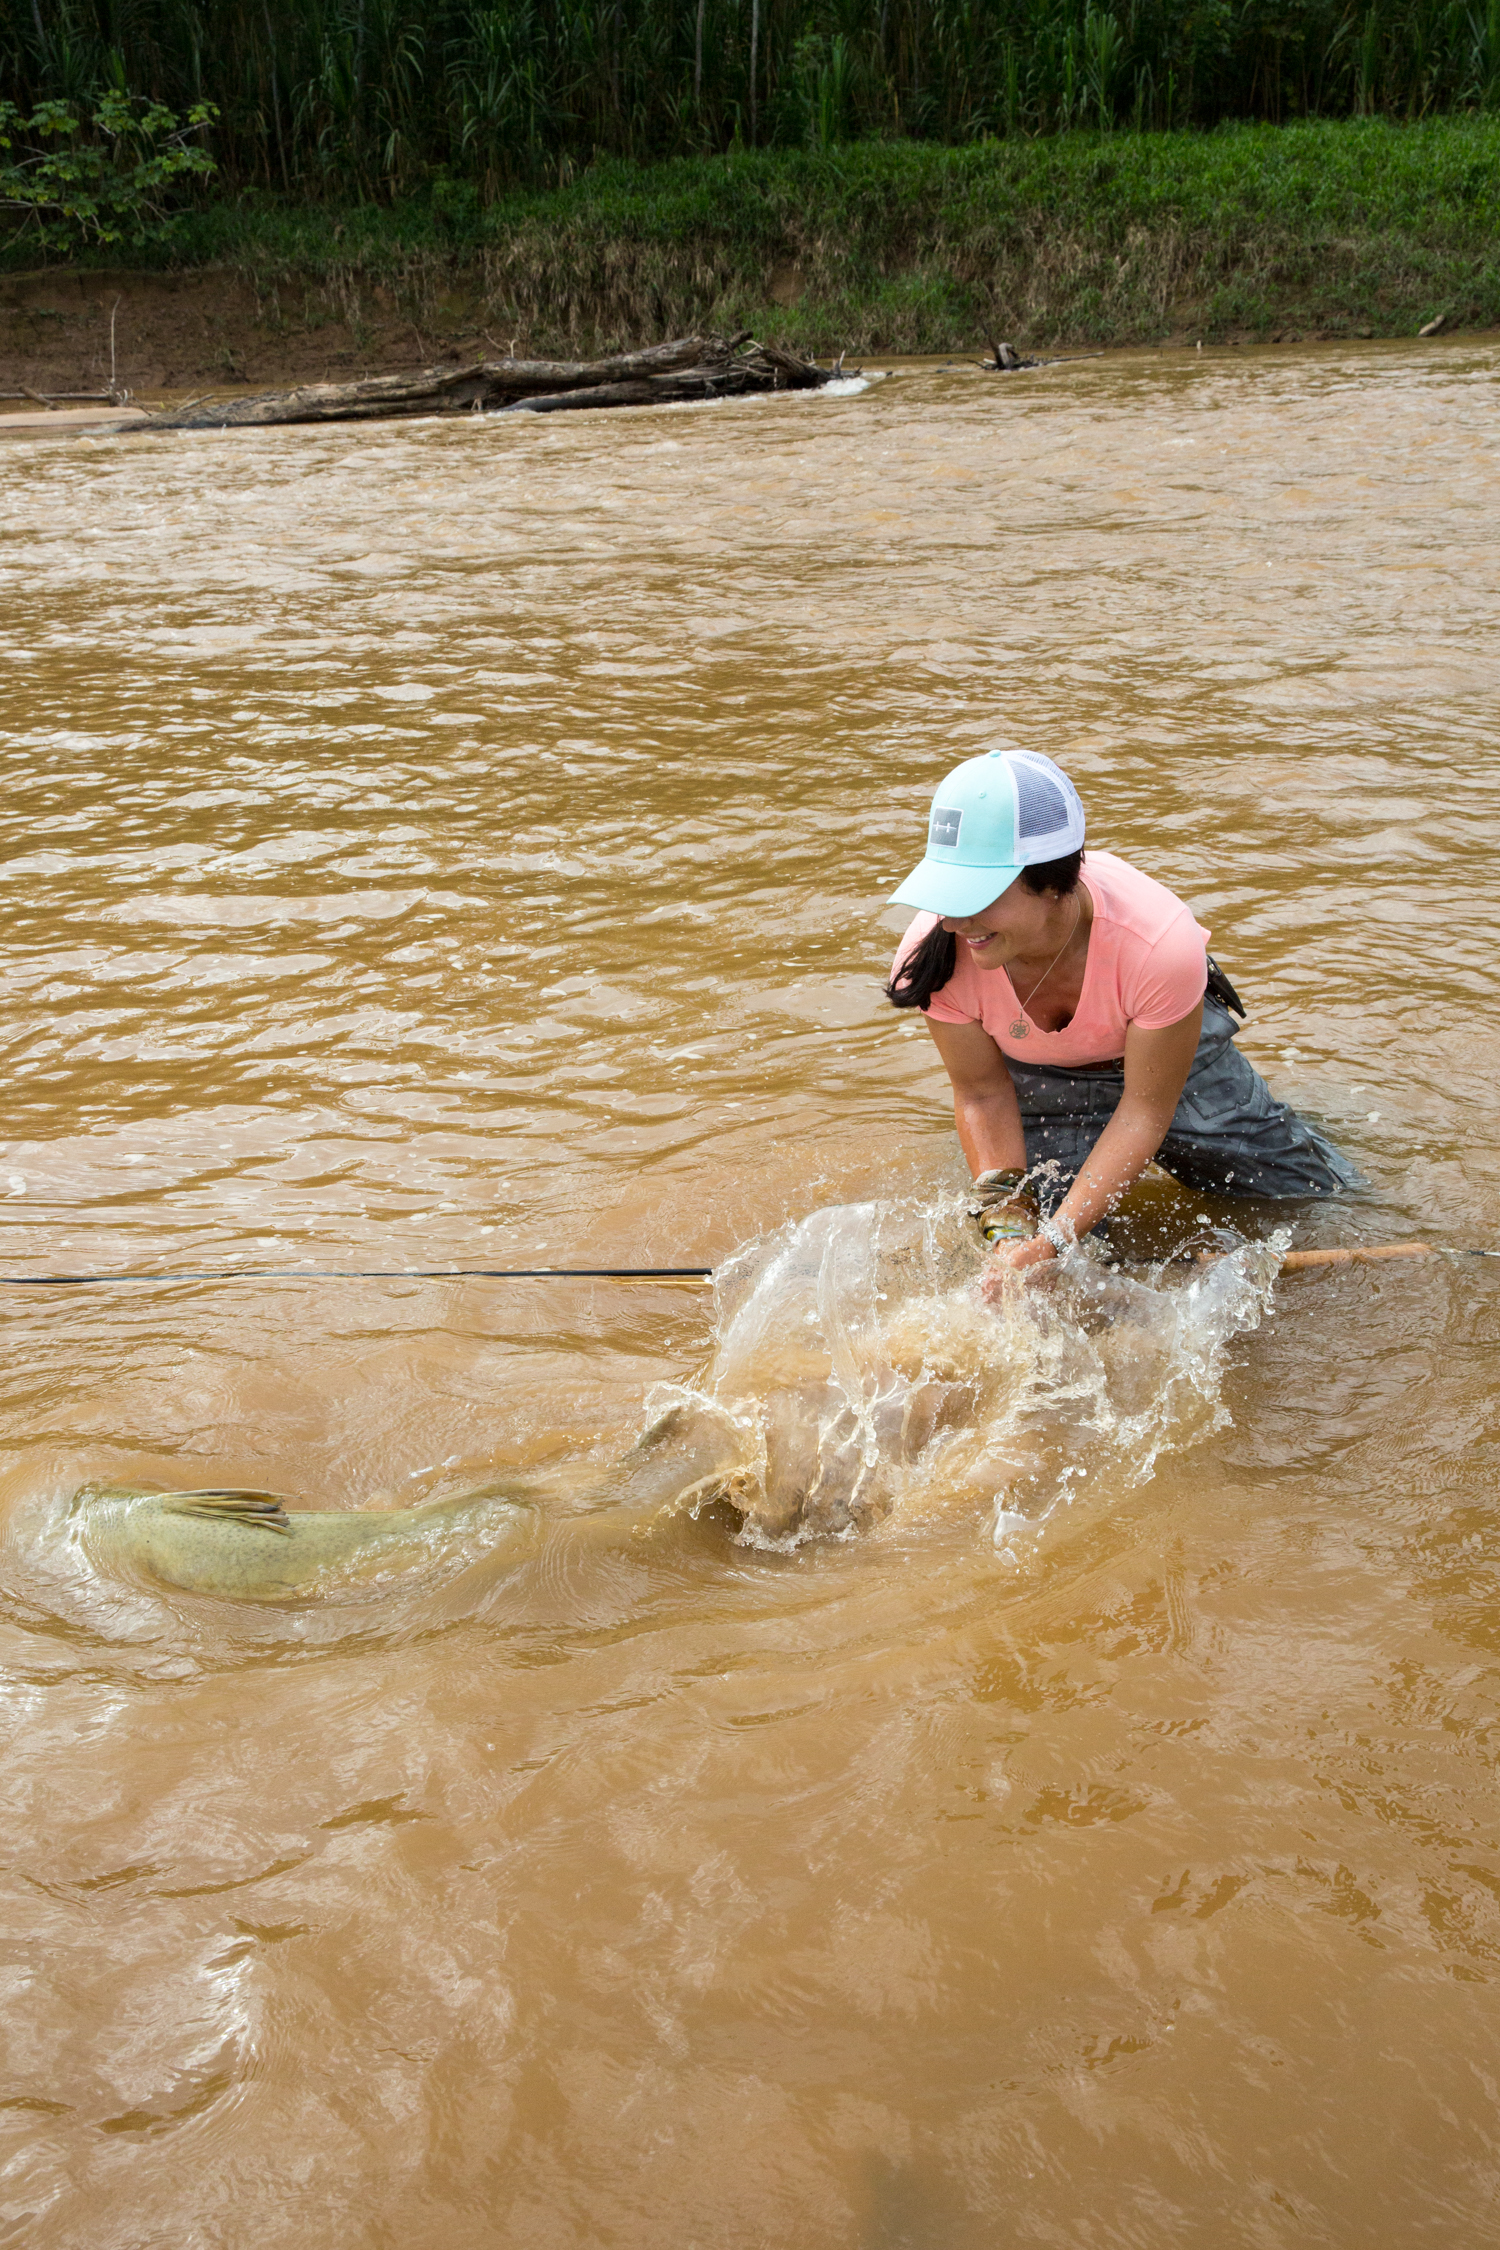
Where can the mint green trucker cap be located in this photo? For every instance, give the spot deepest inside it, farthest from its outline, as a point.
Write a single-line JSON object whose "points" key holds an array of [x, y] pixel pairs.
{"points": [[992, 816]]}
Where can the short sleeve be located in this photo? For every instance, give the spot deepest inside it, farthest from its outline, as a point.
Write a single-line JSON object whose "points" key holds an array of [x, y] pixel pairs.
{"points": [[1171, 979], [943, 1007]]}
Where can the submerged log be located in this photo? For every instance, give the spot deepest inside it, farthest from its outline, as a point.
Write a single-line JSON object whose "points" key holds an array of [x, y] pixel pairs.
{"points": [[1006, 360], [693, 367]]}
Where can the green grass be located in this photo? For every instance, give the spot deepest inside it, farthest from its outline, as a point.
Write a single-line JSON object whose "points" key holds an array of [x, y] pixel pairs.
{"points": [[905, 246]]}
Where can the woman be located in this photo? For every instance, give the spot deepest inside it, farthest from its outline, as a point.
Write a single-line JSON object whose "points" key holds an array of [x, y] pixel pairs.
{"points": [[1080, 1021]]}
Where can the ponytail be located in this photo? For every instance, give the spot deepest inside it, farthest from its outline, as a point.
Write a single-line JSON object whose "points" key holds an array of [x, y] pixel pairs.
{"points": [[926, 969]]}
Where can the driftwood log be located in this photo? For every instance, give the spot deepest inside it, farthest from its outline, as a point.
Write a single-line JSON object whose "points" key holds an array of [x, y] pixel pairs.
{"points": [[694, 367]]}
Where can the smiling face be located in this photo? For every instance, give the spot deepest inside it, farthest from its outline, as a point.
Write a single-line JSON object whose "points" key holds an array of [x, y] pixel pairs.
{"points": [[1020, 925]]}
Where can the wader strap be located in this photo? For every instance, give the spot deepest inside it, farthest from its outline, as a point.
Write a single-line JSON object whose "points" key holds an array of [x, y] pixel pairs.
{"points": [[1219, 988]]}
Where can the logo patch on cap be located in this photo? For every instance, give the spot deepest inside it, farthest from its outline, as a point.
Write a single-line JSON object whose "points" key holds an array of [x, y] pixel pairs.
{"points": [[947, 820]]}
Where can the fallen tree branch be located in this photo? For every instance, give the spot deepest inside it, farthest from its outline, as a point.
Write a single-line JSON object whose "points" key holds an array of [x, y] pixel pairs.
{"points": [[691, 367], [114, 396]]}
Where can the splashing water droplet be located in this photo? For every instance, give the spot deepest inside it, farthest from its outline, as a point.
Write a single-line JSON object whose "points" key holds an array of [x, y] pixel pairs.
{"points": [[857, 1377]]}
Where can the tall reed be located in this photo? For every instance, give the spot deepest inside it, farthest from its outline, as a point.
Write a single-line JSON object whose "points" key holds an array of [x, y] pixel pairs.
{"points": [[365, 99]]}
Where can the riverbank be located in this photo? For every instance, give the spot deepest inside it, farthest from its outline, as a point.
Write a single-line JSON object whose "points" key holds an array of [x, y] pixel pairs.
{"points": [[1255, 233]]}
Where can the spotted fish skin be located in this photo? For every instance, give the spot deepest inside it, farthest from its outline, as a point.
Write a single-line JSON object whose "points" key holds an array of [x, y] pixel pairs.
{"points": [[243, 1545]]}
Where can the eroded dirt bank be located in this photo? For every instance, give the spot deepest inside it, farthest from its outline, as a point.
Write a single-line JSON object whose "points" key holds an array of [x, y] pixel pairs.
{"points": [[213, 328], [176, 331], [1069, 243]]}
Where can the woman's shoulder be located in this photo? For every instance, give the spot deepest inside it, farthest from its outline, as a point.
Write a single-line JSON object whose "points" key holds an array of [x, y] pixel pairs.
{"points": [[1135, 903]]}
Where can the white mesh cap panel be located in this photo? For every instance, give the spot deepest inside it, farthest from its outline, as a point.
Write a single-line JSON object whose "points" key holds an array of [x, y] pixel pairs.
{"points": [[1049, 817]]}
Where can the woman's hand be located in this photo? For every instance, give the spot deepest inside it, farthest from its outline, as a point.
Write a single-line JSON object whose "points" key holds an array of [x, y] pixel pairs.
{"points": [[1014, 1257]]}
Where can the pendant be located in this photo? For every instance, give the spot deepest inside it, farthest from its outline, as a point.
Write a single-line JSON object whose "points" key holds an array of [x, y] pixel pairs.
{"points": [[1019, 1028]]}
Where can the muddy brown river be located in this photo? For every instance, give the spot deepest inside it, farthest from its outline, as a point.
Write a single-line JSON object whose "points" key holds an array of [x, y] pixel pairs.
{"points": [[464, 844]]}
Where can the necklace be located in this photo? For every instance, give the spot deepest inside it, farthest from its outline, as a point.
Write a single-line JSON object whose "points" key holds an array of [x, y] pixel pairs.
{"points": [[1021, 1029]]}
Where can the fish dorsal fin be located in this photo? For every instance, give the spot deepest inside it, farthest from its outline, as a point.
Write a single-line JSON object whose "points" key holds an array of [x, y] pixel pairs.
{"points": [[257, 1511]]}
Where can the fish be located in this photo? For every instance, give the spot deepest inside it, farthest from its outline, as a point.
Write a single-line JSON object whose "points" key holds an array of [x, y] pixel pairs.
{"points": [[241, 1544], [856, 1380]]}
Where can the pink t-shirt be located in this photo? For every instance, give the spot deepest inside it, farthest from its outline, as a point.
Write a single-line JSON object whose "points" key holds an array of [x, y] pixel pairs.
{"points": [[1146, 965]]}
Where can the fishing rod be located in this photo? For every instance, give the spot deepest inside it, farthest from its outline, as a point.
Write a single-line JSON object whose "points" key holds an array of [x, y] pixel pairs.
{"points": [[1301, 1261]]}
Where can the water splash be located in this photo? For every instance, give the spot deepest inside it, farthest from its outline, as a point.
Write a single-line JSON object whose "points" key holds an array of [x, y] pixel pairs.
{"points": [[858, 1378]]}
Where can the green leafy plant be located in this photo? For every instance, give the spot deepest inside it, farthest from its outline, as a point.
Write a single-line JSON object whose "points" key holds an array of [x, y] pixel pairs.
{"points": [[101, 171]]}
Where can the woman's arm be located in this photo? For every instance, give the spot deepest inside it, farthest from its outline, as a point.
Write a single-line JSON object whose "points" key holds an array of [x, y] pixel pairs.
{"points": [[1156, 1070], [985, 1108]]}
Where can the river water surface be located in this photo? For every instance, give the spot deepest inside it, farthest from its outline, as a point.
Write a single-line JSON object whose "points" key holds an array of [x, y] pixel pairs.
{"points": [[464, 843]]}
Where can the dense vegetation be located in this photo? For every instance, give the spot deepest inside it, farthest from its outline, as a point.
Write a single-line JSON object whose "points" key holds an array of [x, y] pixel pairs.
{"points": [[877, 174], [370, 100], [1326, 228]]}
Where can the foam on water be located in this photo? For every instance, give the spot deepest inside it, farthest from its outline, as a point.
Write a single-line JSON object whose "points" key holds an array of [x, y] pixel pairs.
{"points": [[858, 1377]]}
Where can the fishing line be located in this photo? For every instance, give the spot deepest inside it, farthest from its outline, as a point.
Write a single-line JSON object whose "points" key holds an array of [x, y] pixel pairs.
{"points": [[1293, 1261], [370, 1273]]}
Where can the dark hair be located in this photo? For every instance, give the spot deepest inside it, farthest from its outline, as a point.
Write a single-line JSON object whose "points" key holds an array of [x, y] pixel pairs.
{"points": [[929, 966]]}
